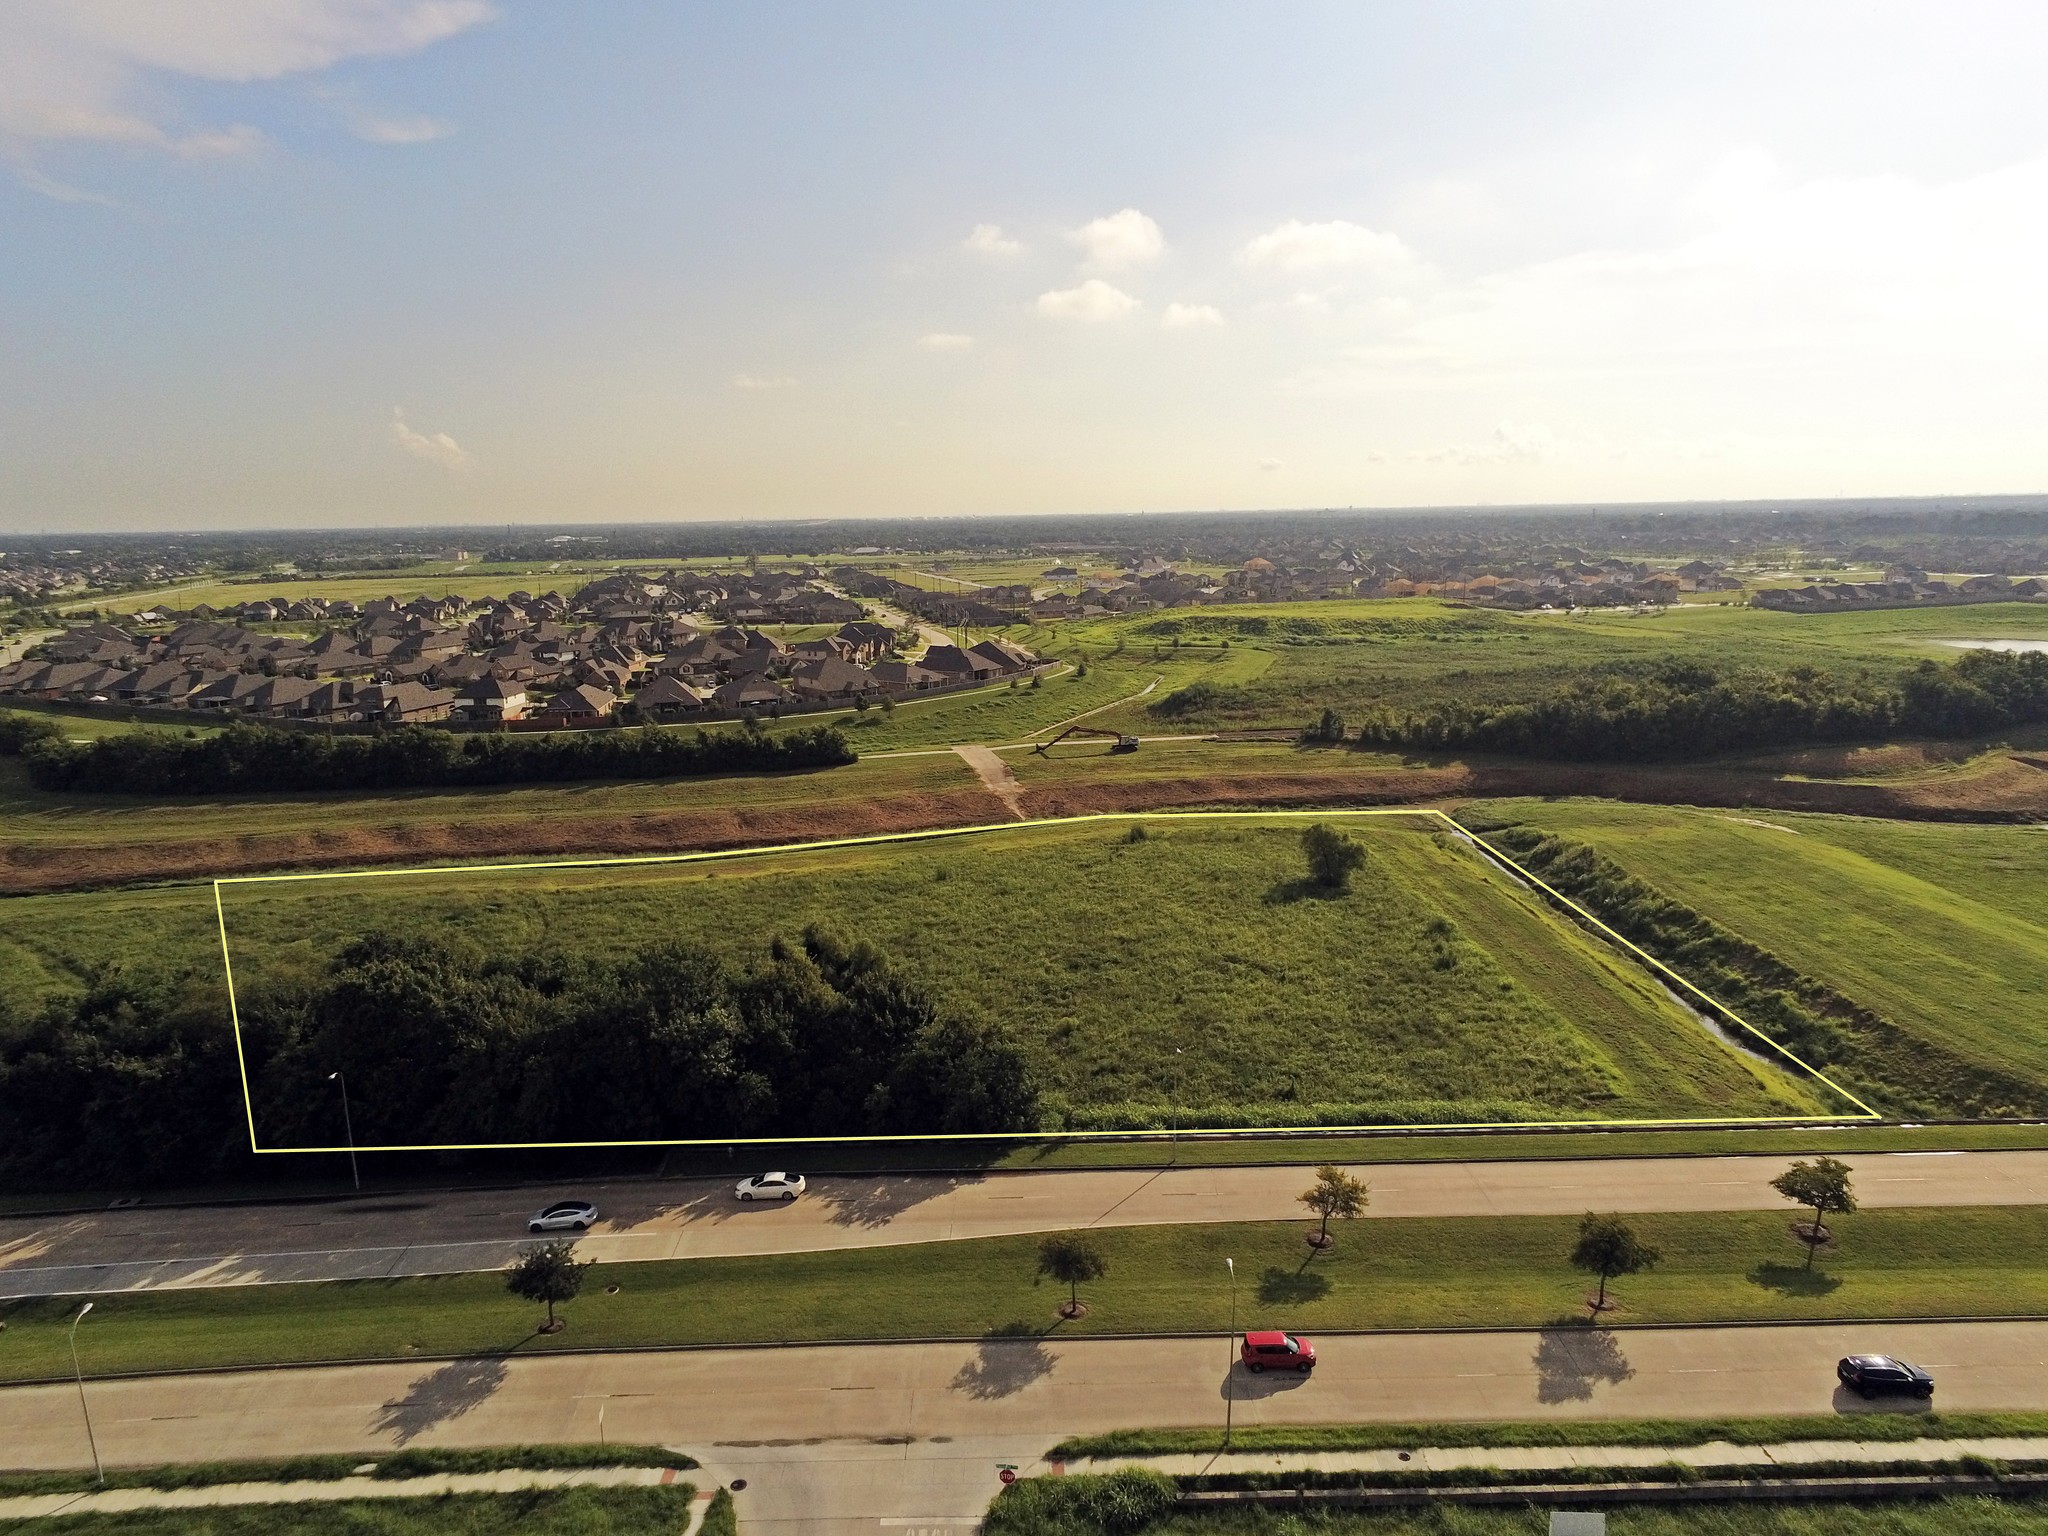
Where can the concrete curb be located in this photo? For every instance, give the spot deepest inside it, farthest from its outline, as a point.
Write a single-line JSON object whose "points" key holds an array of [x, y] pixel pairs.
{"points": [[1706, 1491], [356, 1362]]}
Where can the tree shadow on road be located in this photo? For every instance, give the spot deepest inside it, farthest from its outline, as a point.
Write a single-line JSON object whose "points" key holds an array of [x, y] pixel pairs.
{"points": [[877, 1201], [1794, 1279], [1573, 1358], [1006, 1361], [444, 1393]]}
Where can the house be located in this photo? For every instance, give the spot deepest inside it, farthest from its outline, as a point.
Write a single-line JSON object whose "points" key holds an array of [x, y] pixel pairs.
{"points": [[833, 679], [958, 666], [1004, 656], [491, 697], [580, 706], [666, 698], [897, 677], [402, 703], [749, 691], [869, 641]]}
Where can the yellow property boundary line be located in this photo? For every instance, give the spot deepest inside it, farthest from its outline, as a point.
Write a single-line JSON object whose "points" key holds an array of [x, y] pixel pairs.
{"points": [[1656, 966]]}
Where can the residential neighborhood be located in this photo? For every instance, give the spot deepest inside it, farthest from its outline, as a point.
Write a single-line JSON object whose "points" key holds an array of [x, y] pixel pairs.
{"points": [[626, 649]]}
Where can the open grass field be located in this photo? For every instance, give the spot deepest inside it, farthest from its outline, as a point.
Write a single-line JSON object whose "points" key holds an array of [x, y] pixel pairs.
{"points": [[1435, 990], [533, 1512], [1417, 653], [1493, 1271], [1940, 929], [1905, 1517]]}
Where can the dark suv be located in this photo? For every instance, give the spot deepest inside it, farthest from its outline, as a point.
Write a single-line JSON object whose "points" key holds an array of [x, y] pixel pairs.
{"points": [[1872, 1374]]}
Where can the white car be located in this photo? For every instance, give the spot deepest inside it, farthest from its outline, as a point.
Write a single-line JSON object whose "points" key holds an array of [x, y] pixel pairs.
{"points": [[770, 1186], [563, 1216]]}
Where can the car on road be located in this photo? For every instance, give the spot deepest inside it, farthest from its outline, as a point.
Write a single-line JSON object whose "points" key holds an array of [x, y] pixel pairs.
{"points": [[1277, 1351], [1872, 1374], [770, 1186], [563, 1216]]}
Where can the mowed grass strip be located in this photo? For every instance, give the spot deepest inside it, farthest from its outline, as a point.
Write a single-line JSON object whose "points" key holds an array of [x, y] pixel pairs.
{"points": [[1192, 972], [530, 1512], [1941, 930], [1406, 1273]]}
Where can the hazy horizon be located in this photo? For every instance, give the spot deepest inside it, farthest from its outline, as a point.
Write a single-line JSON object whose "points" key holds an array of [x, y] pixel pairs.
{"points": [[468, 263]]}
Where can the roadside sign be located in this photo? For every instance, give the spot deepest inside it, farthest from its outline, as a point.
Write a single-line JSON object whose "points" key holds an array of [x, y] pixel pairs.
{"points": [[1565, 1522], [1006, 1474]]}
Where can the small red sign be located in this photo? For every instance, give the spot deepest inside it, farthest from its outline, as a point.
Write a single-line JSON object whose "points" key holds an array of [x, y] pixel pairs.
{"points": [[1007, 1475]]}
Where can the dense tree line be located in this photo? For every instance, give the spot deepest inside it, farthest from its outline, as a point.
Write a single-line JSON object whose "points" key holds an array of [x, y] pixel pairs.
{"points": [[248, 758], [1686, 710], [137, 1079]]}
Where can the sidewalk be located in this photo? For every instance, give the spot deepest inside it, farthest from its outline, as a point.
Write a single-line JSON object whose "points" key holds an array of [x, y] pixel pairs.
{"points": [[119, 1500], [1716, 1455]]}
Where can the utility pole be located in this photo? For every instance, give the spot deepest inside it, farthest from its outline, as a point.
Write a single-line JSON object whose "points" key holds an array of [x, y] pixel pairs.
{"points": [[99, 1472], [1230, 1369], [1174, 1136], [348, 1126]]}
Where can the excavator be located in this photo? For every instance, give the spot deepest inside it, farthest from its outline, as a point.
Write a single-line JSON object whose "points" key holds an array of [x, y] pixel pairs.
{"points": [[1121, 742]]}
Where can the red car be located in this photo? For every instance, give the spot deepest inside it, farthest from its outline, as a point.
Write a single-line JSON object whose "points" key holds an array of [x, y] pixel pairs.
{"points": [[1277, 1351]]}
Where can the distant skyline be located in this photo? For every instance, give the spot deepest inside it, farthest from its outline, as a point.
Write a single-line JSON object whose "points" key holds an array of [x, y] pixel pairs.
{"points": [[330, 263]]}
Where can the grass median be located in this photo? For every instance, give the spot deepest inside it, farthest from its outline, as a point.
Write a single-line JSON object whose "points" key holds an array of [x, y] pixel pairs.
{"points": [[1407, 1273], [530, 1512]]}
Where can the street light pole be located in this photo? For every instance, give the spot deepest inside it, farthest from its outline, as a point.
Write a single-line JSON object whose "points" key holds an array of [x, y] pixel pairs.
{"points": [[348, 1126], [99, 1472], [1230, 1368], [1174, 1117]]}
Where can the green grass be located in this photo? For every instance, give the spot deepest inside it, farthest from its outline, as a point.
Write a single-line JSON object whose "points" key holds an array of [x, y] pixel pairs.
{"points": [[1393, 1273], [417, 1461], [532, 1512], [1436, 990], [1941, 930], [1042, 1507], [1890, 1428], [1418, 653]]}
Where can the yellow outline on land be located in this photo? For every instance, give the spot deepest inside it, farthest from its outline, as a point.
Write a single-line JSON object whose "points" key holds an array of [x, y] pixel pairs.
{"points": [[1506, 861]]}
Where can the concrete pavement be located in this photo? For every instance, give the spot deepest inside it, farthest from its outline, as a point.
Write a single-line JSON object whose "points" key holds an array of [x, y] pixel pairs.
{"points": [[443, 1233], [835, 1438]]}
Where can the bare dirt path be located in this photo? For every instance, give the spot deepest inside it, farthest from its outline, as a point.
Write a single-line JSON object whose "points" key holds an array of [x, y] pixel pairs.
{"points": [[995, 773]]}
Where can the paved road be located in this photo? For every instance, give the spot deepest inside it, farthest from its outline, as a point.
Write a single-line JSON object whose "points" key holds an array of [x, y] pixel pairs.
{"points": [[445, 1233], [846, 1438]]}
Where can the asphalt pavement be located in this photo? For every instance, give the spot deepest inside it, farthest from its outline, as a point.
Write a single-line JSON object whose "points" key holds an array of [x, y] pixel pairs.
{"points": [[860, 1438], [145, 1248]]}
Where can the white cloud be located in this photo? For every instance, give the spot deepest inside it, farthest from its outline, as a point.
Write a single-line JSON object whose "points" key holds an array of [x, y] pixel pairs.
{"points": [[80, 70], [989, 240], [1294, 247], [435, 447], [1191, 317], [945, 341], [1511, 443], [1093, 300], [762, 381], [398, 130], [1119, 241], [1269, 465]]}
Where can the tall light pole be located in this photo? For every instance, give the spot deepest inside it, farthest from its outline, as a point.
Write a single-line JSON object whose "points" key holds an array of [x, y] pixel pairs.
{"points": [[99, 1472], [1230, 1368], [348, 1126], [1173, 1142]]}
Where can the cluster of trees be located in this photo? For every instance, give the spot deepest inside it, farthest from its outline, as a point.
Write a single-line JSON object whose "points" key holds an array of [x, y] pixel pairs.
{"points": [[248, 758], [137, 1080], [1687, 710]]}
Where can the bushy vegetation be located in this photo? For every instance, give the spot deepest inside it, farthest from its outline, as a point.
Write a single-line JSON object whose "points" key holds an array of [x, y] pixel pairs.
{"points": [[1682, 709], [414, 1461], [1120, 1503], [444, 1044], [249, 758], [1805, 1015]]}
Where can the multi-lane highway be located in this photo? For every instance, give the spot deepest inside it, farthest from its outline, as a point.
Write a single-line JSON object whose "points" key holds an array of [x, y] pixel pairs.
{"points": [[834, 1439], [438, 1233]]}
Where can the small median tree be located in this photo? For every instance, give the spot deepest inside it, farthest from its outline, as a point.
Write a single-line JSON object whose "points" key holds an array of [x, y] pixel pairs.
{"points": [[1608, 1247], [1332, 857], [1822, 1184], [548, 1273], [1070, 1260], [1334, 1193]]}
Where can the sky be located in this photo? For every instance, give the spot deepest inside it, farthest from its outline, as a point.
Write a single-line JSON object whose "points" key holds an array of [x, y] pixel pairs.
{"points": [[274, 263]]}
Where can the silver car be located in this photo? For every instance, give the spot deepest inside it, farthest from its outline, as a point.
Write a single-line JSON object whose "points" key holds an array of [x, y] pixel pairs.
{"points": [[770, 1186], [563, 1216]]}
